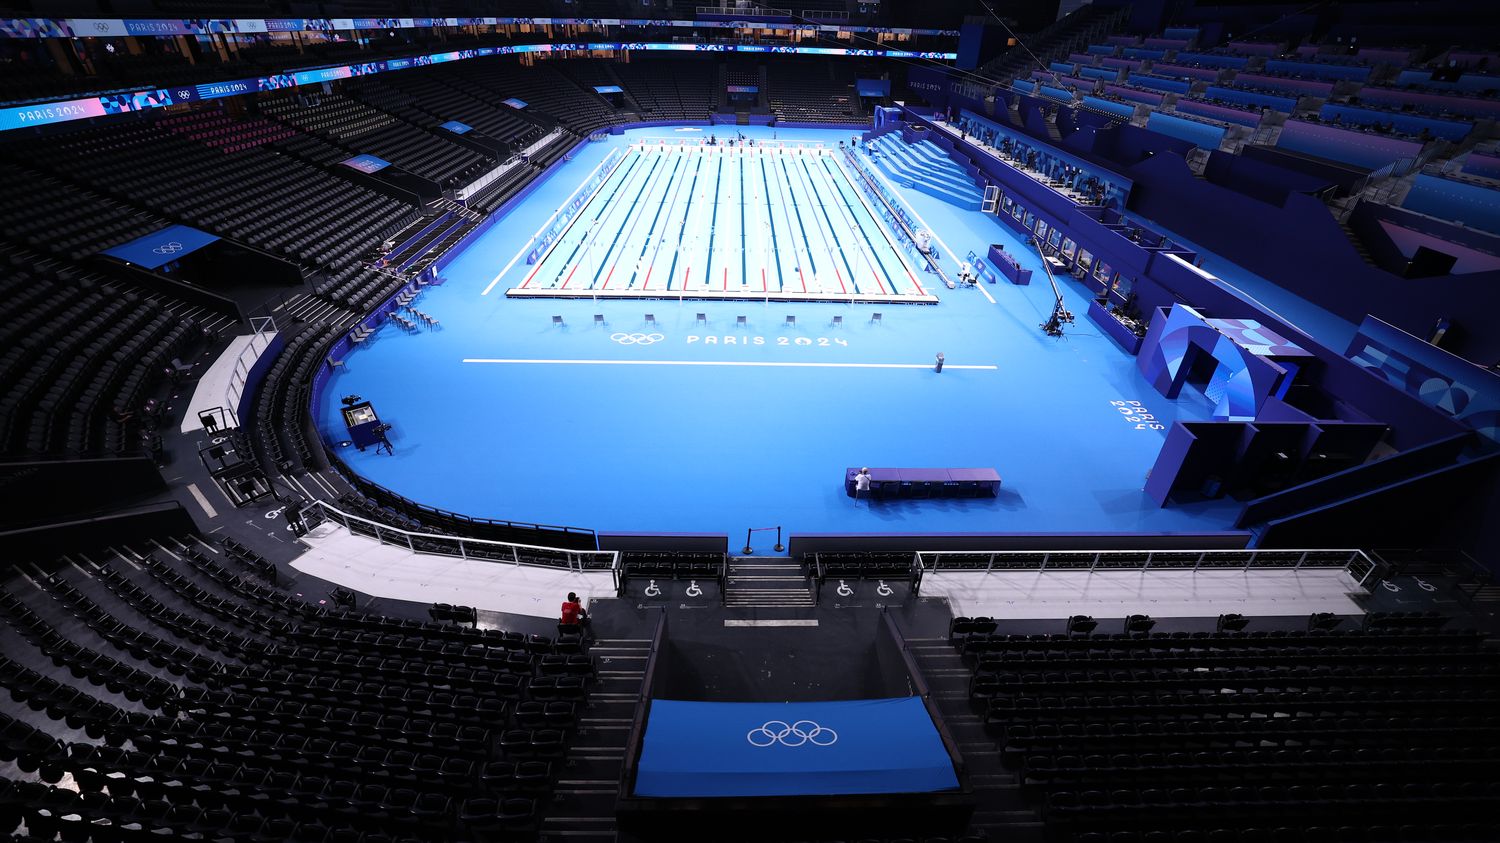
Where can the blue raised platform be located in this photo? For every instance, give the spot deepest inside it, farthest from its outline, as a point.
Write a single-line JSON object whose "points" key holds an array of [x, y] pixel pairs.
{"points": [[718, 749]]}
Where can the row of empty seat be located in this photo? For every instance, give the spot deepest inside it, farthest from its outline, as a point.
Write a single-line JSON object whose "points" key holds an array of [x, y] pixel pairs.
{"points": [[1374, 734], [83, 356]]}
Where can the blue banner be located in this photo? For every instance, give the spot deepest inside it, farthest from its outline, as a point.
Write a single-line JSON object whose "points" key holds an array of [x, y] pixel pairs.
{"points": [[162, 247], [456, 127], [514, 103], [792, 749], [608, 89]]}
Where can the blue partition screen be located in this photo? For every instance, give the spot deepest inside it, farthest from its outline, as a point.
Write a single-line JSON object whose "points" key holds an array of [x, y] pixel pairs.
{"points": [[1411, 124], [720, 749], [1286, 104], [1109, 105], [1200, 134], [1175, 86], [1474, 205]]}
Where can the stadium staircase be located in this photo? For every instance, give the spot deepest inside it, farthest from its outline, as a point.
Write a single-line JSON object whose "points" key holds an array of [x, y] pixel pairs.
{"points": [[767, 583], [583, 799], [925, 168], [1000, 811]]}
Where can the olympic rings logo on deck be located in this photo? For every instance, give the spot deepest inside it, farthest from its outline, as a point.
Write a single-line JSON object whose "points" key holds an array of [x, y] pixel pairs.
{"points": [[795, 734], [171, 248], [636, 339]]}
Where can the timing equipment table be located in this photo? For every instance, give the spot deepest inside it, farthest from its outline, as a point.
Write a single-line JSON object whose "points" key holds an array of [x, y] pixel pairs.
{"points": [[927, 482]]}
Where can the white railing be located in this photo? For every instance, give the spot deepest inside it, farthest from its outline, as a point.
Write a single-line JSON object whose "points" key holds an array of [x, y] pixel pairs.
{"points": [[894, 213], [729, 9], [558, 222], [431, 544], [489, 178], [263, 327], [1359, 566]]}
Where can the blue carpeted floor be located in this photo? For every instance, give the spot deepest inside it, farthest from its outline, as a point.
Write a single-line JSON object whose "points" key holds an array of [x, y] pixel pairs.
{"points": [[617, 445]]}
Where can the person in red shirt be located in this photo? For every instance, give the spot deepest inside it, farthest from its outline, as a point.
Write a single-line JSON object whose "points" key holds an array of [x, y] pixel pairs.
{"points": [[573, 611]]}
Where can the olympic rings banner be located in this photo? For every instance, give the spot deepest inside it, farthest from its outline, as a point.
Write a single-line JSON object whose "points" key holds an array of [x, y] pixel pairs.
{"points": [[45, 113], [706, 749], [149, 27], [162, 247]]}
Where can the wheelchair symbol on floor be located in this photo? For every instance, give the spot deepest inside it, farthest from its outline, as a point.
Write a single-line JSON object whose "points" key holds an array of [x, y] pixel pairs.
{"points": [[653, 590], [274, 513], [844, 589], [1424, 584], [884, 590], [1389, 586], [693, 590]]}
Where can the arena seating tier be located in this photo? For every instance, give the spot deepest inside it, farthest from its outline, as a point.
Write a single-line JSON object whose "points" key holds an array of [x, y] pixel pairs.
{"points": [[182, 697]]}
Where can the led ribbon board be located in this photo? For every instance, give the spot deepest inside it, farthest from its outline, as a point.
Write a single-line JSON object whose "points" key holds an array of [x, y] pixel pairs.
{"points": [[41, 114]]}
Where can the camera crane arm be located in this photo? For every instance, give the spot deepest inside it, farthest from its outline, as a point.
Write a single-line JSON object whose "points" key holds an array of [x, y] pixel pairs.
{"points": [[1060, 313]]}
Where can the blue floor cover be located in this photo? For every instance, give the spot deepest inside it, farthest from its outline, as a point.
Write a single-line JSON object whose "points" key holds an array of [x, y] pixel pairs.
{"points": [[709, 749], [721, 433]]}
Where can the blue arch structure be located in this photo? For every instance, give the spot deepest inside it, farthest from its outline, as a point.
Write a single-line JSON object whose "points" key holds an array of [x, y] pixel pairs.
{"points": [[1244, 377]]}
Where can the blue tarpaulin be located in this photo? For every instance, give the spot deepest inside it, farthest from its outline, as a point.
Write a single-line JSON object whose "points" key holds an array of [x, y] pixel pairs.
{"points": [[792, 749], [162, 247]]}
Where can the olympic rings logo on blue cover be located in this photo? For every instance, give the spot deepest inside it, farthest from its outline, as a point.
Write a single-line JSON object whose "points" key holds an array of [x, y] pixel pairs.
{"points": [[801, 733]]}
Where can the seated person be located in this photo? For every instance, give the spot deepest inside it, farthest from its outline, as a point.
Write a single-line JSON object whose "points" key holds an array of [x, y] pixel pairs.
{"points": [[574, 613]]}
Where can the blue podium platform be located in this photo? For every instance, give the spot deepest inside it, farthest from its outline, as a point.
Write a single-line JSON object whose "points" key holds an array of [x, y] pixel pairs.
{"points": [[721, 749]]}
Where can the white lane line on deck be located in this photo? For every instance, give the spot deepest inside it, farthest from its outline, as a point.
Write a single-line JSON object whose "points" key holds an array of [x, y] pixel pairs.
{"points": [[202, 501], [776, 364], [980, 285], [496, 279], [789, 622]]}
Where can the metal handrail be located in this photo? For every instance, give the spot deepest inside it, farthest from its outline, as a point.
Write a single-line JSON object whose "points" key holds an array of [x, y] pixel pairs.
{"points": [[1356, 562], [433, 544], [262, 326], [896, 214]]}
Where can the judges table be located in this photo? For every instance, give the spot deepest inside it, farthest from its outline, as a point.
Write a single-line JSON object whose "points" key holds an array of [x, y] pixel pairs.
{"points": [[927, 482]]}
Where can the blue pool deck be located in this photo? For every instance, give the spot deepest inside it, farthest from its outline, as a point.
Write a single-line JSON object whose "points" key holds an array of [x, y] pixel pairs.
{"points": [[687, 425]]}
